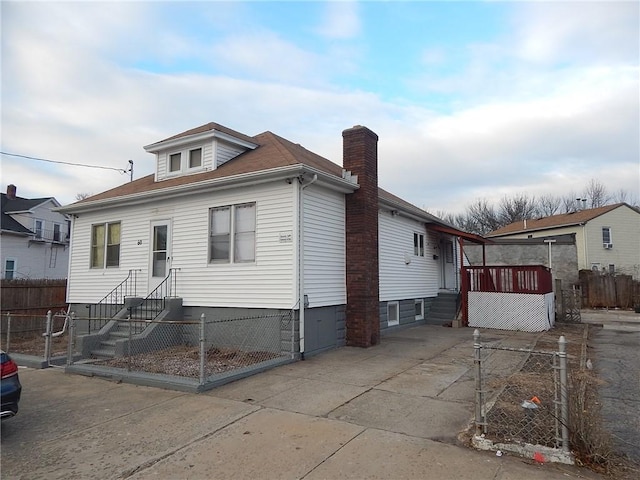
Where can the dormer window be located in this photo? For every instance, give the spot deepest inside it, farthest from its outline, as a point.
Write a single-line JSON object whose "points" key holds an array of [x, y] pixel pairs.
{"points": [[200, 149], [175, 162], [194, 160]]}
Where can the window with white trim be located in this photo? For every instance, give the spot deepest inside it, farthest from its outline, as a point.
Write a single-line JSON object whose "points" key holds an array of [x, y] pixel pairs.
{"points": [[606, 236], [448, 252], [419, 309], [418, 244], [105, 245], [56, 232], [195, 158], [393, 314], [38, 227], [175, 162], [232, 233], [192, 160], [9, 268]]}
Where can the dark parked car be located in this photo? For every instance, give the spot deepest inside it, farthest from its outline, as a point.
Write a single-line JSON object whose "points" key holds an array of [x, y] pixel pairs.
{"points": [[11, 387]]}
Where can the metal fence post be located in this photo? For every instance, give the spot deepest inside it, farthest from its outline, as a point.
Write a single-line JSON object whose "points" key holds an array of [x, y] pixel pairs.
{"points": [[47, 339], [202, 348], [477, 350], [72, 332], [564, 394], [129, 343], [8, 330]]}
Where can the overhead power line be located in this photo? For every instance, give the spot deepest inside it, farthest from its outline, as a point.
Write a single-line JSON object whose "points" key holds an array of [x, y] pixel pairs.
{"points": [[121, 170]]}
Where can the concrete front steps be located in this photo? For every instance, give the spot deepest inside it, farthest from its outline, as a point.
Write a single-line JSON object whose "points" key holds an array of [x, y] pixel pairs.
{"points": [[443, 309], [107, 348]]}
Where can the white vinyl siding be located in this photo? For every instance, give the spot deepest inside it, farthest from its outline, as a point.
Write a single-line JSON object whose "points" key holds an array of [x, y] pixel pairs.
{"points": [[266, 283], [624, 225], [402, 274], [225, 152], [324, 247]]}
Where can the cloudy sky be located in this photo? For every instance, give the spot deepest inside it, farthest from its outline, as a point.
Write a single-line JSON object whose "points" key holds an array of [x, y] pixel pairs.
{"points": [[470, 99]]}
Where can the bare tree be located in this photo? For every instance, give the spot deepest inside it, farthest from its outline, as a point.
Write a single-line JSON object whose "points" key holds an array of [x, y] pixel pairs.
{"points": [[549, 205], [82, 196], [515, 208], [596, 194], [483, 217]]}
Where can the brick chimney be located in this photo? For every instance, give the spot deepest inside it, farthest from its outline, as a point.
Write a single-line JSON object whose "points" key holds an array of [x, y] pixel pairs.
{"points": [[11, 192], [360, 156]]}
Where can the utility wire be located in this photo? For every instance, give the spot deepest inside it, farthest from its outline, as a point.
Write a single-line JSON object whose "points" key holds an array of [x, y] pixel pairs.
{"points": [[121, 170]]}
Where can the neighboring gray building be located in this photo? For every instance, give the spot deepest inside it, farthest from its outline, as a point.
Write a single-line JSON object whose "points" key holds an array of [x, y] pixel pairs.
{"points": [[561, 256], [34, 238]]}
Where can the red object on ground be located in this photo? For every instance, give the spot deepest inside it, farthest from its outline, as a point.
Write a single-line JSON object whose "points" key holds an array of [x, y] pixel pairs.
{"points": [[538, 457]]}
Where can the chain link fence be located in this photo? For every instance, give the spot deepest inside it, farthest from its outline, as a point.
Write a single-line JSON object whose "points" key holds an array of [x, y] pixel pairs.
{"points": [[522, 395], [198, 353], [42, 336]]}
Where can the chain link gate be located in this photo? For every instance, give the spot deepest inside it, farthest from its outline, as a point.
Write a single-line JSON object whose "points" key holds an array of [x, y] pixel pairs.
{"points": [[522, 395], [571, 304]]}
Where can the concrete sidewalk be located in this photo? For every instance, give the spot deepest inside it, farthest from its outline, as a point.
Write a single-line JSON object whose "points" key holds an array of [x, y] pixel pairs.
{"points": [[392, 411]]}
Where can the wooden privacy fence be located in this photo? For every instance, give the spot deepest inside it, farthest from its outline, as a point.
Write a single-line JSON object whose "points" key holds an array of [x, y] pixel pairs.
{"points": [[33, 297], [608, 291]]}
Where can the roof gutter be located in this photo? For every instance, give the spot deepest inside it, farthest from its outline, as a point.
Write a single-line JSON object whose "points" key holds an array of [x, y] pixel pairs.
{"points": [[529, 230], [244, 179], [409, 214], [174, 142]]}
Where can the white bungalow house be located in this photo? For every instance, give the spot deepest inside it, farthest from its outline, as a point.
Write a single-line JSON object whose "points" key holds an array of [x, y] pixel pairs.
{"points": [[34, 238], [231, 224]]}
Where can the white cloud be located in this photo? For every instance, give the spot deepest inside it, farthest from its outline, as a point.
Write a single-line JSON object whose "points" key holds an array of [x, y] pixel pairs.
{"points": [[341, 20], [68, 95]]}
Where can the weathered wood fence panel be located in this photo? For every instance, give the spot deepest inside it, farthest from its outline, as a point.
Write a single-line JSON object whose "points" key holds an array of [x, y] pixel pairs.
{"points": [[32, 296], [609, 291]]}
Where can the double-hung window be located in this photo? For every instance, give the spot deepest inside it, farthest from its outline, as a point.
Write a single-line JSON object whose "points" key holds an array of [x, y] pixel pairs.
{"points": [[232, 233], [418, 244], [9, 268], [39, 225], [606, 236], [105, 245], [56, 232]]}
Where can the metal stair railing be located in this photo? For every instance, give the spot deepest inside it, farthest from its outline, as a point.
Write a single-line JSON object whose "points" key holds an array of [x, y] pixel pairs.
{"points": [[154, 303], [101, 312]]}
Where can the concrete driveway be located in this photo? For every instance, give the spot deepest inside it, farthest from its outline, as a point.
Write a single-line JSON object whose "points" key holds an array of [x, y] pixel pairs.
{"points": [[392, 411]]}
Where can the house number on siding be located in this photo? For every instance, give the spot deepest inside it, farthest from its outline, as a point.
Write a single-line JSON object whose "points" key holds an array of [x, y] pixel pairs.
{"points": [[139, 242], [286, 237]]}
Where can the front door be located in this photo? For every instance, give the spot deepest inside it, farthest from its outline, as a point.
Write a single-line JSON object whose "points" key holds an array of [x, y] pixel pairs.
{"points": [[447, 264], [160, 260]]}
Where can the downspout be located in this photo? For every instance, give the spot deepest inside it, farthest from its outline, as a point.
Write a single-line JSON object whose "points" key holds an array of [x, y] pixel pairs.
{"points": [[301, 301], [587, 264]]}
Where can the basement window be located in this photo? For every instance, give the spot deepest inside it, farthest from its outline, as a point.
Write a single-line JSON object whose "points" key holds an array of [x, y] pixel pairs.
{"points": [[419, 309], [393, 314]]}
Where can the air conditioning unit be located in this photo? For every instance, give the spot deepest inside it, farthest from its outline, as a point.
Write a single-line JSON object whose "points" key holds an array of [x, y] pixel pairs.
{"points": [[608, 246]]}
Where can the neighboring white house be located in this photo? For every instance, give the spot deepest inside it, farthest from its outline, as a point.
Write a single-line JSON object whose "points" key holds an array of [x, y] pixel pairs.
{"points": [[607, 238], [34, 239], [258, 222]]}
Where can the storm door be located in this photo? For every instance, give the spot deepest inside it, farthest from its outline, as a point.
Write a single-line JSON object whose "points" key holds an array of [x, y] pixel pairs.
{"points": [[160, 253]]}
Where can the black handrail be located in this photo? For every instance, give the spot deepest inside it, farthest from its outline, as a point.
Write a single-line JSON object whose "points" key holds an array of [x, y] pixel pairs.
{"points": [[154, 303], [112, 302]]}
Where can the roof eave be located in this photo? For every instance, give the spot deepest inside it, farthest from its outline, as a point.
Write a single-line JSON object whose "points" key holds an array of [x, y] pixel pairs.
{"points": [[531, 230], [253, 178], [427, 217], [175, 142]]}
